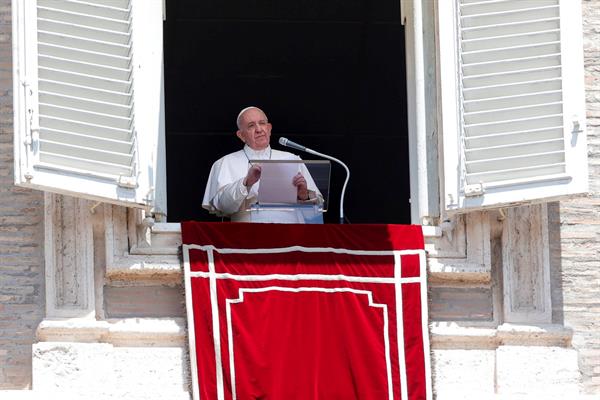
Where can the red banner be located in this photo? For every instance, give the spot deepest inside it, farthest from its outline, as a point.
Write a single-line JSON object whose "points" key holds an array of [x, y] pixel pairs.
{"points": [[280, 311]]}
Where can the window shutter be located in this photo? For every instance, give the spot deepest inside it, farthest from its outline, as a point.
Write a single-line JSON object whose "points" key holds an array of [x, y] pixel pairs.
{"points": [[512, 98], [88, 115]]}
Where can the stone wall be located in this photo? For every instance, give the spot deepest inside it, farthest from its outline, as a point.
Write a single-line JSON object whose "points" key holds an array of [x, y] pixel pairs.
{"points": [[21, 241], [580, 225]]}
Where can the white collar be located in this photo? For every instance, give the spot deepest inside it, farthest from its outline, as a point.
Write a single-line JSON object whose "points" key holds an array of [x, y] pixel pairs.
{"points": [[264, 154]]}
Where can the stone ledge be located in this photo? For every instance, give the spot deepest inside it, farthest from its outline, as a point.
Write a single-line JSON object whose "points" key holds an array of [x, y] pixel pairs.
{"points": [[143, 266], [458, 394], [75, 395], [450, 395], [133, 332], [453, 270], [164, 266], [161, 260], [150, 332], [454, 336]]}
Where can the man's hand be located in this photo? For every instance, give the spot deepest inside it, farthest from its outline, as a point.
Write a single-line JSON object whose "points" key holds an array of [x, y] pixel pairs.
{"points": [[300, 184], [252, 176]]}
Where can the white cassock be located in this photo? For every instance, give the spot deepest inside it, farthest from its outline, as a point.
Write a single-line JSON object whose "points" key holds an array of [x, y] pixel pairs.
{"points": [[226, 195]]}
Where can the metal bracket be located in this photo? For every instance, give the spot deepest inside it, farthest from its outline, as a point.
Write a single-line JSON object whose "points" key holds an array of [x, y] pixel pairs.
{"points": [[474, 190], [447, 226], [128, 182], [94, 206], [502, 213]]}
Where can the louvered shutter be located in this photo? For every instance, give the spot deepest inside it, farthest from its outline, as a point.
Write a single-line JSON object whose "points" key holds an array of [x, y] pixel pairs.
{"points": [[88, 115], [512, 101]]}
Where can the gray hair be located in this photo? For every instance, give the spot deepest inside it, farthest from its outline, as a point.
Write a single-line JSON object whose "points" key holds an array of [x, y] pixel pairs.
{"points": [[239, 117]]}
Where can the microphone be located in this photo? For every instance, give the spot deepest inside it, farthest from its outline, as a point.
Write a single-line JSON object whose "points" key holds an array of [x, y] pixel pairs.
{"points": [[288, 143]]}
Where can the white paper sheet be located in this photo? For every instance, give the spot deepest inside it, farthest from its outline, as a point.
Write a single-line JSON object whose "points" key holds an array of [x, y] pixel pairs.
{"points": [[276, 183]]}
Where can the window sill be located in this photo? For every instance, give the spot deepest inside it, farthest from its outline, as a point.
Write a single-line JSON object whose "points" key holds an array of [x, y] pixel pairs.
{"points": [[161, 257], [172, 332]]}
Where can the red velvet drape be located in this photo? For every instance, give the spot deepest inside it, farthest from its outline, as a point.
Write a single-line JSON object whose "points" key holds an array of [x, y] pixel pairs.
{"points": [[307, 311]]}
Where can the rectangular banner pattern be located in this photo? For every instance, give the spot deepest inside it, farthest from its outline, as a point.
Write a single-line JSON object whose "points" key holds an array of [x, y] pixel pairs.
{"points": [[280, 311]]}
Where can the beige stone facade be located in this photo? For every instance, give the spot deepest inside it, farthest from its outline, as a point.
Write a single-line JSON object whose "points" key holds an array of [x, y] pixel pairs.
{"points": [[111, 306], [577, 279], [21, 241]]}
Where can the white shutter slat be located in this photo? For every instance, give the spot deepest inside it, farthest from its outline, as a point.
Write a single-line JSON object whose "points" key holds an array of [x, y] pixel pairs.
{"points": [[516, 149], [498, 6], [510, 78], [84, 56], [494, 19], [52, 110], [509, 162], [508, 41], [86, 92], [73, 42], [91, 130], [81, 79], [511, 28], [87, 153], [537, 49], [539, 172], [512, 65], [60, 64], [512, 90], [82, 31], [515, 139], [511, 113], [83, 104], [110, 3], [99, 143], [98, 10], [76, 164], [506, 102], [91, 21], [523, 124]]}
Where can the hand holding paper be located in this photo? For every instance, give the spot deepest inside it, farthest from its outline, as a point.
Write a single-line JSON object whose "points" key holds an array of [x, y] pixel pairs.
{"points": [[253, 175], [302, 189]]}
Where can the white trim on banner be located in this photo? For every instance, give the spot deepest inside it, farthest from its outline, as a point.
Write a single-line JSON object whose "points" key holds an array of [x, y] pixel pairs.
{"points": [[190, 318], [289, 249], [425, 326], [369, 294], [400, 325]]}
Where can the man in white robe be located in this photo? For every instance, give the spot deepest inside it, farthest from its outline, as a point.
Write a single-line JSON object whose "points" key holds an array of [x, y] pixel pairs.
{"points": [[232, 186]]}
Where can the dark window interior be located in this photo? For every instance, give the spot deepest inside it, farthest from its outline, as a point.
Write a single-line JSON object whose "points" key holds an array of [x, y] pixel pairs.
{"points": [[330, 74]]}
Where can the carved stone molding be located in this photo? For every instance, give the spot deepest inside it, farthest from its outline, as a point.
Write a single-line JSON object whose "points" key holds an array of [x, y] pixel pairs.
{"points": [[134, 252], [526, 265], [69, 257], [465, 254]]}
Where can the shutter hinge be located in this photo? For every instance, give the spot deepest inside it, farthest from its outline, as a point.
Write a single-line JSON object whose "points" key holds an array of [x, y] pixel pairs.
{"points": [[32, 135], [474, 190], [128, 182], [447, 226]]}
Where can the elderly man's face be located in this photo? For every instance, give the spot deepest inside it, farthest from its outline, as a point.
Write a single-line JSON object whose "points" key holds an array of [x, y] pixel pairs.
{"points": [[255, 129]]}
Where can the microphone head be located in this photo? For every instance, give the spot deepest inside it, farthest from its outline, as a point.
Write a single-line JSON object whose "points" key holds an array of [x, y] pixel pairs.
{"points": [[283, 141]]}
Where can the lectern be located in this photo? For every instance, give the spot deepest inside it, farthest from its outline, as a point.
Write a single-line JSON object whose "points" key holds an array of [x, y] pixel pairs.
{"points": [[277, 196]]}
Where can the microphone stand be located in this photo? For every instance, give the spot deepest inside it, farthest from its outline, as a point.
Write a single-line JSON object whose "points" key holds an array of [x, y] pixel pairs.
{"points": [[288, 143], [316, 153]]}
